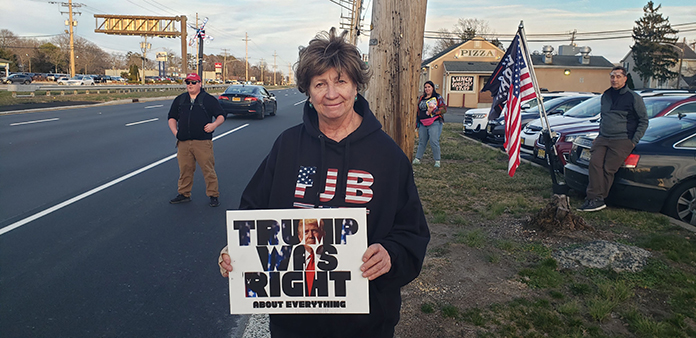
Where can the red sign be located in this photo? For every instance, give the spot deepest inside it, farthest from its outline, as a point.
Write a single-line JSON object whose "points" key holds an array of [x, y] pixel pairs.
{"points": [[218, 66]]}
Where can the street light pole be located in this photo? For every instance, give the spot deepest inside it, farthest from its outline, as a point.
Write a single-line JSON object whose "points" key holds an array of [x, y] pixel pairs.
{"points": [[29, 62]]}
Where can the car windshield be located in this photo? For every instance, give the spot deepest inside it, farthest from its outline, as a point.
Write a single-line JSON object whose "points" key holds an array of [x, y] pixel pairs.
{"points": [[588, 108], [665, 126], [77, 77], [655, 105], [548, 104], [240, 90]]}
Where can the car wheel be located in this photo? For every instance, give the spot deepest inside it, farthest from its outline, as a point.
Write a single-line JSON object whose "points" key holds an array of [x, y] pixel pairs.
{"points": [[92, 84], [27, 82], [275, 108], [681, 204], [261, 112]]}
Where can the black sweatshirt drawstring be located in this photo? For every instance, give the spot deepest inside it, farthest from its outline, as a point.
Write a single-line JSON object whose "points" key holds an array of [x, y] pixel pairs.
{"points": [[322, 169]]}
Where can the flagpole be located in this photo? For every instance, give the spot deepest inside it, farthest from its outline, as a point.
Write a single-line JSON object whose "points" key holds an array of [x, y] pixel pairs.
{"points": [[547, 134]]}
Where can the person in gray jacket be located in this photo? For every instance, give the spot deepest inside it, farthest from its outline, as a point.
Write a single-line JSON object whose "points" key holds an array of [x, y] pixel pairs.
{"points": [[624, 120]]}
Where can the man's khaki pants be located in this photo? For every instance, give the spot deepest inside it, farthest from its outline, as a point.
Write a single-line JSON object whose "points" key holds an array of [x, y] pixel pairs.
{"points": [[188, 154], [607, 156]]}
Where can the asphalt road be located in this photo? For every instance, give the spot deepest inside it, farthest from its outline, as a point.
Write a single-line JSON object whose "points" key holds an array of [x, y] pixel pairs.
{"points": [[90, 246]]}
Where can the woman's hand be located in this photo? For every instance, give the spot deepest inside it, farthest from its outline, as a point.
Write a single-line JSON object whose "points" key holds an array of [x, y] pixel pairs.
{"points": [[376, 262], [431, 109], [225, 263]]}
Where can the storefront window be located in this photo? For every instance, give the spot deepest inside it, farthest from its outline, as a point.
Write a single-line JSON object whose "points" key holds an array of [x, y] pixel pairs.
{"points": [[462, 83]]}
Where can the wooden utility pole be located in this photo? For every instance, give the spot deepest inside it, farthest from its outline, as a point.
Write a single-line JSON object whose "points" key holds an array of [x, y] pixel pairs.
{"points": [[144, 46], [246, 48], [396, 45], [289, 73], [197, 54], [355, 22], [274, 67], [70, 23], [184, 53], [261, 63], [224, 65]]}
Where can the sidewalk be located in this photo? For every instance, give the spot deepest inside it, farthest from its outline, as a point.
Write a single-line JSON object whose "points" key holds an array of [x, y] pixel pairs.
{"points": [[455, 114]]}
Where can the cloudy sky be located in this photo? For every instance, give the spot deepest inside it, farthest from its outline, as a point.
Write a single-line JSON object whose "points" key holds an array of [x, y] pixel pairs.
{"points": [[280, 26]]}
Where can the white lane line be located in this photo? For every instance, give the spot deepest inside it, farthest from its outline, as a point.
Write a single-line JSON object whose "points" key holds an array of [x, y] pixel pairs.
{"points": [[36, 121], [64, 204], [155, 106], [301, 102], [230, 132], [139, 122]]}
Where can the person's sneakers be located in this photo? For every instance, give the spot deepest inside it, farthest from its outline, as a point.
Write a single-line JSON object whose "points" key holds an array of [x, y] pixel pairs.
{"points": [[594, 204], [180, 199], [214, 201], [437, 164], [416, 161]]}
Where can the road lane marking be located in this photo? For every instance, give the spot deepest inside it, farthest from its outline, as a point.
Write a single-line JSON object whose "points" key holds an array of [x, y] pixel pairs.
{"points": [[301, 102], [139, 122], [36, 121], [155, 106], [84, 195]]}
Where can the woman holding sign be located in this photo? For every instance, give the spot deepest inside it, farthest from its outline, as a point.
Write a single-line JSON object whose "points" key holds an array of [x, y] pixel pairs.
{"points": [[429, 121], [339, 157]]}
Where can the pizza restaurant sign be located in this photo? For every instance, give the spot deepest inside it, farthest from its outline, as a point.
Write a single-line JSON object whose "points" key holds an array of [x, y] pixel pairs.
{"points": [[476, 53]]}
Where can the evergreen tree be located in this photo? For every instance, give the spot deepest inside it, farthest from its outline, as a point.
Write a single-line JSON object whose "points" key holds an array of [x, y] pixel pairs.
{"points": [[652, 52], [134, 73], [6, 54]]}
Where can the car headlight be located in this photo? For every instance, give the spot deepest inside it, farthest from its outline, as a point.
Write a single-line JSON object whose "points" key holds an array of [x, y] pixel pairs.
{"points": [[573, 137], [478, 115]]}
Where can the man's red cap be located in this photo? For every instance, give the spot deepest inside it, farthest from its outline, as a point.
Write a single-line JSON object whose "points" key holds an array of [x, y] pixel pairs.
{"points": [[193, 77]]}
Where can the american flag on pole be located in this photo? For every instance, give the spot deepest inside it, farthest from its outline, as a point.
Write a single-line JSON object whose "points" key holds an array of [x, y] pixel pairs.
{"points": [[511, 85]]}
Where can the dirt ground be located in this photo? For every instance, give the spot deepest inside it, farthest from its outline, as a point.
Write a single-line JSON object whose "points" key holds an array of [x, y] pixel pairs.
{"points": [[454, 273]]}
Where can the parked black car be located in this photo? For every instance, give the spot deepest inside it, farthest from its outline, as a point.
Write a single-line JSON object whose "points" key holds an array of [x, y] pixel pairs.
{"points": [[660, 173], [495, 131], [99, 78], [248, 100], [17, 78]]}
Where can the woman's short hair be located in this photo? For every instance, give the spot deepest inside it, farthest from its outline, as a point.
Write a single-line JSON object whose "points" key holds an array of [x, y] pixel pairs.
{"points": [[328, 50]]}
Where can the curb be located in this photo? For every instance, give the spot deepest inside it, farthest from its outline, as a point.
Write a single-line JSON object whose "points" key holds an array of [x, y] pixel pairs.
{"points": [[684, 225], [257, 326]]}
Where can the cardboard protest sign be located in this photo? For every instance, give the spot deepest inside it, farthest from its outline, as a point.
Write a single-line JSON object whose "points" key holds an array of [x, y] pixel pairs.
{"points": [[297, 261]]}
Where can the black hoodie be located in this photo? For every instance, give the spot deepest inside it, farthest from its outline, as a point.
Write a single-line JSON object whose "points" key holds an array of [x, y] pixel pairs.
{"points": [[370, 171], [192, 117]]}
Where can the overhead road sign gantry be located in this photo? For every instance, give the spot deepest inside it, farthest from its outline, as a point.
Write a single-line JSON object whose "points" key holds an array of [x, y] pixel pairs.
{"points": [[155, 26]]}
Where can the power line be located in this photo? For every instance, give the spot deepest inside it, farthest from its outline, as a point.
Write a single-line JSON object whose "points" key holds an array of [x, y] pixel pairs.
{"points": [[161, 7], [580, 36]]}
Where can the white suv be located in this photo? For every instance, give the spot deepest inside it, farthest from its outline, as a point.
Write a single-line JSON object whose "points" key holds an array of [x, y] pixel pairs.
{"points": [[476, 120]]}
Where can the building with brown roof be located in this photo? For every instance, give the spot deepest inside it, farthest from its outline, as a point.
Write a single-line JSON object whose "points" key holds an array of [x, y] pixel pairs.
{"points": [[460, 72]]}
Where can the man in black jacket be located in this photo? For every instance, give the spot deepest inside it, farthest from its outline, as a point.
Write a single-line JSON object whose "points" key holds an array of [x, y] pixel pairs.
{"points": [[193, 117], [624, 120]]}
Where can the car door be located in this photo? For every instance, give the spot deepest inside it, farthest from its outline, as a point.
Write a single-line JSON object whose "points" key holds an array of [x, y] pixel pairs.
{"points": [[269, 99], [687, 108]]}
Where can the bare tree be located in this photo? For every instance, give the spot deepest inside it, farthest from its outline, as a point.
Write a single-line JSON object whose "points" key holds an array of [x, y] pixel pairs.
{"points": [[117, 60], [464, 30], [7, 38]]}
